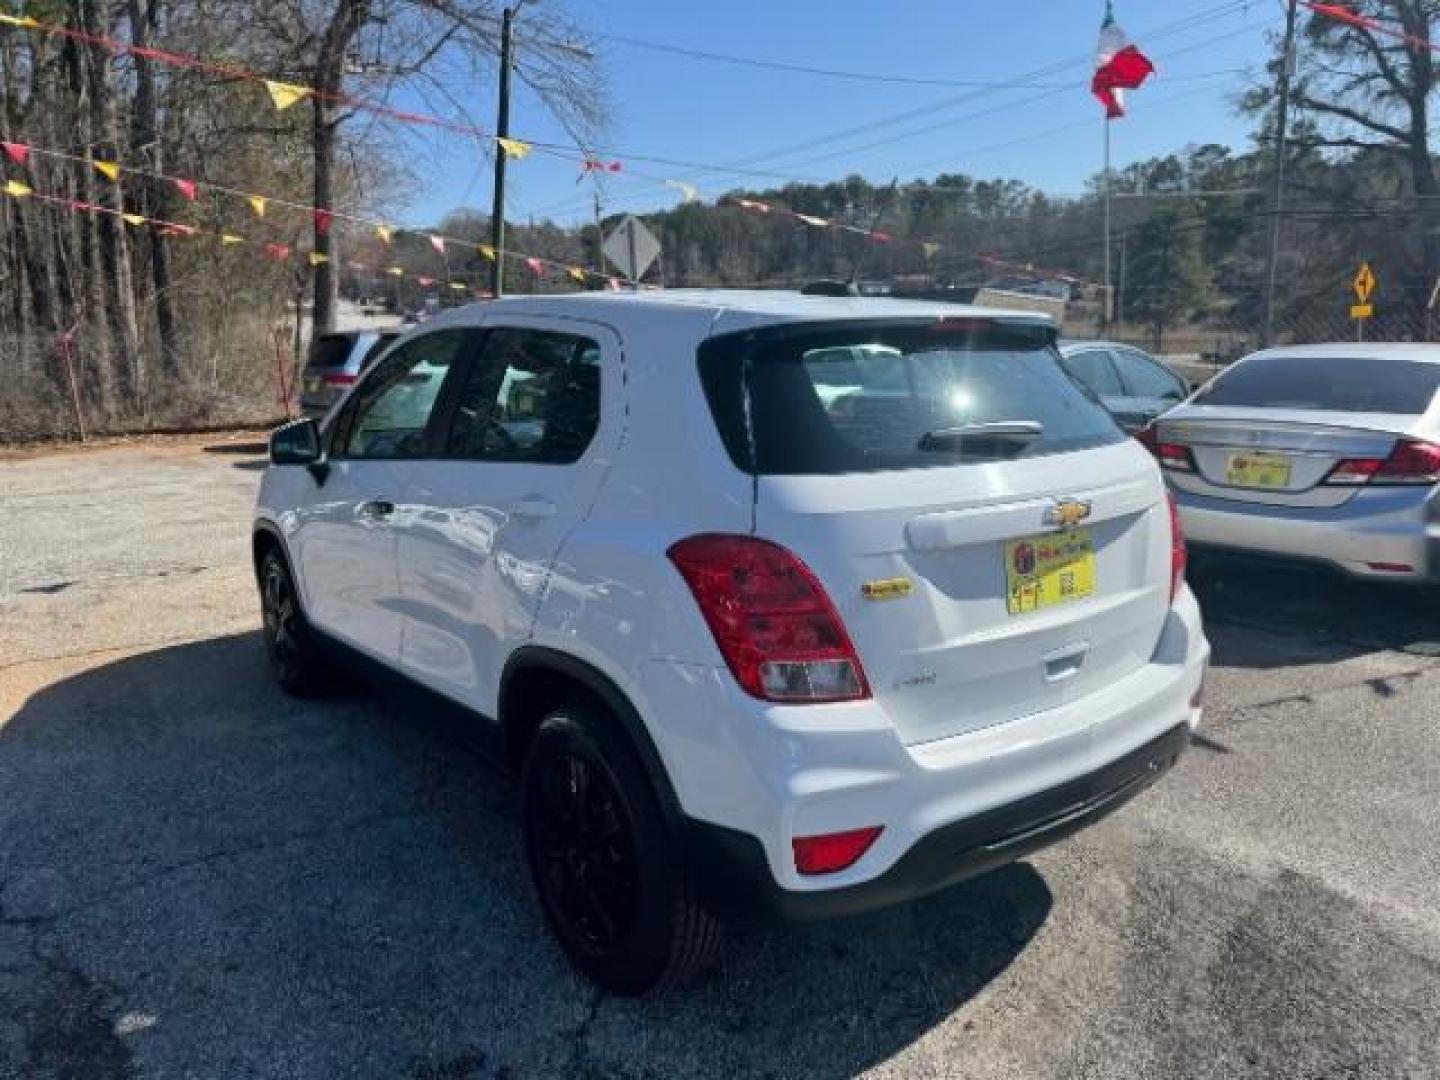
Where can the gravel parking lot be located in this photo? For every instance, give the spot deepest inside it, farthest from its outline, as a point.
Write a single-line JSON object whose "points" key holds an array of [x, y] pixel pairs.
{"points": [[199, 877]]}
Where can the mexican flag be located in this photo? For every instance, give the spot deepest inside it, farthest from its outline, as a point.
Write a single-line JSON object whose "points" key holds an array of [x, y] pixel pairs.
{"points": [[1119, 66]]}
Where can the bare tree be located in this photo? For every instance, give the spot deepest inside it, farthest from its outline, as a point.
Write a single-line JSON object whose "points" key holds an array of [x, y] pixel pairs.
{"points": [[381, 44], [1365, 82]]}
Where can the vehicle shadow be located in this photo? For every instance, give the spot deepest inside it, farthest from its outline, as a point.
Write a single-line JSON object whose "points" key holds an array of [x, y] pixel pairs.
{"points": [[255, 454], [198, 874], [1304, 614]]}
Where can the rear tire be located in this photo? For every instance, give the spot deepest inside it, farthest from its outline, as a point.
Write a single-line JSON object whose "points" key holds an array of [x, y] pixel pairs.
{"points": [[296, 658], [610, 878]]}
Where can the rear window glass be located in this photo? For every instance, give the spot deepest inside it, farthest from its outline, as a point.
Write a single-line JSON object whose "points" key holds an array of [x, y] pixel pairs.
{"points": [[330, 351], [1359, 384], [861, 397]]}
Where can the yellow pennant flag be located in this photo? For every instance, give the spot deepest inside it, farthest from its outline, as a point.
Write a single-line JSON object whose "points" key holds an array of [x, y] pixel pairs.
{"points": [[19, 20], [384, 232], [284, 94], [257, 203], [576, 274], [108, 169], [395, 271], [459, 286], [133, 219], [688, 192], [818, 222], [487, 251], [230, 238], [316, 259], [514, 148], [16, 189]]}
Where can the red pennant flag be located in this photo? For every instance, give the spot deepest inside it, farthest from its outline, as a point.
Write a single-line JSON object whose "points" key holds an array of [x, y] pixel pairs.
{"points": [[278, 252], [438, 243], [1342, 14], [322, 222], [19, 153], [186, 189], [536, 266], [880, 237], [1119, 66], [591, 164], [425, 282]]}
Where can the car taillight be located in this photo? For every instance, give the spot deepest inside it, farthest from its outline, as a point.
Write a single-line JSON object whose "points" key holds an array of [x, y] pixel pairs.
{"points": [[1175, 456], [1178, 555], [775, 626], [1410, 462], [833, 851], [339, 378]]}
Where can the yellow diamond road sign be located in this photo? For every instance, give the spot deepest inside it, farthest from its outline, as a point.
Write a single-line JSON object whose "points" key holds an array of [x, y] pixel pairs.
{"points": [[1364, 283]]}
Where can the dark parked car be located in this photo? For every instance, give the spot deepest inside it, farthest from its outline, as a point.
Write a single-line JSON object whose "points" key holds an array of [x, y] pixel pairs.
{"points": [[1132, 384], [335, 362]]}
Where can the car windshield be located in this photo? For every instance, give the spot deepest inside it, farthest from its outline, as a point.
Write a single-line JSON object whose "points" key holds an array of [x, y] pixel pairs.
{"points": [[875, 396], [1362, 384]]}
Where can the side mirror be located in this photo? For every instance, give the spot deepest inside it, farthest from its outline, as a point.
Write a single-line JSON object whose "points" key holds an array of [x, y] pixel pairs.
{"points": [[297, 443]]}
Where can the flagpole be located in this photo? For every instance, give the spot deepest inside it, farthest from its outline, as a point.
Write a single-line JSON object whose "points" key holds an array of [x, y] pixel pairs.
{"points": [[1106, 313]]}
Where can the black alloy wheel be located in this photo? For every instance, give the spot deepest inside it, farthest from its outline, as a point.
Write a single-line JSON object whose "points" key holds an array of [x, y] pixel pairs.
{"points": [[294, 657]]}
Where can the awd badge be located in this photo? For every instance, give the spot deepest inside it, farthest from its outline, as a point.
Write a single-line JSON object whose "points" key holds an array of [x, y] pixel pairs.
{"points": [[894, 588]]}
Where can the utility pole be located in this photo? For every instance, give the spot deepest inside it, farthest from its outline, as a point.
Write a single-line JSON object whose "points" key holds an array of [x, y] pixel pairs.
{"points": [[502, 130], [1282, 120]]}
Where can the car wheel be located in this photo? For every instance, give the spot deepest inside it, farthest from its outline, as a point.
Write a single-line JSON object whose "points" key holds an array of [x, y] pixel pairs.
{"points": [[299, 665], [613, 885]]}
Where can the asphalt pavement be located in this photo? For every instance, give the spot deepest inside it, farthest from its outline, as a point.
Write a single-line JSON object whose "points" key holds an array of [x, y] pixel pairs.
{"points": [[200, 877]]}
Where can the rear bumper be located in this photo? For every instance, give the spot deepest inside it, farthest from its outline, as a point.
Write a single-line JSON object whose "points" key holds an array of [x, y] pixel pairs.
{"points": [[751, 777], [1372, 535], [734, 879]]}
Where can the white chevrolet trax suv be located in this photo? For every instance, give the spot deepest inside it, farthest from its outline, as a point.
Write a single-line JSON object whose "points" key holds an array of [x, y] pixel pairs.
{"points": [[777, 604]]}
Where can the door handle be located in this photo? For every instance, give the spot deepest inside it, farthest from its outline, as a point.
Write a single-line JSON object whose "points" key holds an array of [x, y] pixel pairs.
{"points": [[375, 510], [533, 507], [1065, 663]]}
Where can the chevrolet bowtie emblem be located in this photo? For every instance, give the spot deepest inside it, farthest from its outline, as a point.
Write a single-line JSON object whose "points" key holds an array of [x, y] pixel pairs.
{"points": [[1067, 513]]}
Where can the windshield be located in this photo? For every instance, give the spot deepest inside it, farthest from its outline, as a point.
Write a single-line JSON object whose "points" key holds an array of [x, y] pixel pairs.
{"points": [[872, 396], [1362, 384]]}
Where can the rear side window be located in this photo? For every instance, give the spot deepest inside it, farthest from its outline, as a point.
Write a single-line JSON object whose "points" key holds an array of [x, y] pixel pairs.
{"points": [[1359, 384], [1094, 368], [859, 397], [330, 351], [533, 396], [1146, 378]]}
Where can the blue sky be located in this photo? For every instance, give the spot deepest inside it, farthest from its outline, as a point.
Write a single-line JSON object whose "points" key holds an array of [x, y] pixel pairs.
{"points": [[1046, 132]]}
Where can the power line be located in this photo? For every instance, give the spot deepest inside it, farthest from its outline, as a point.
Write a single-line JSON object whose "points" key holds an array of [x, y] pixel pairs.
{"points": [[804, 69]]}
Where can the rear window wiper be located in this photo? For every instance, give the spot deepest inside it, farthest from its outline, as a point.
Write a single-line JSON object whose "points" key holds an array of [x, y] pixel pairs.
{"points": [[1007, 431]]}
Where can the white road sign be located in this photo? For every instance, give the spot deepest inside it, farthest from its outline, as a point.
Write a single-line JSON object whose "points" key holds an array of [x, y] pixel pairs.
{"points": [[632, 248]]}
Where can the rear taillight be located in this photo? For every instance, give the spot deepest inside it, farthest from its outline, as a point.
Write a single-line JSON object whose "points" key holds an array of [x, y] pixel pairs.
{"points": [[1174, 456], [1410, 462], [1178, 555], [339, 378], [772, 620]]}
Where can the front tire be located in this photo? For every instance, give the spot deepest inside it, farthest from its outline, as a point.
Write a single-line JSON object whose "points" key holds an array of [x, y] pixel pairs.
{"points": [[611, 882], [295, 656]]}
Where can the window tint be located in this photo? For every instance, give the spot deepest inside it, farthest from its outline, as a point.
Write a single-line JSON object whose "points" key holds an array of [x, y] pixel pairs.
{"points": [[1093, 368], [533, 396], [917, 396], [1358, 384], [382, 342], [394, 404], [1145, 378]]}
